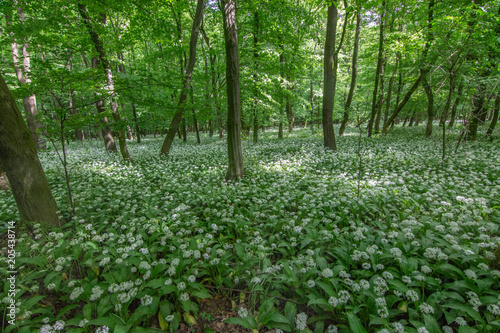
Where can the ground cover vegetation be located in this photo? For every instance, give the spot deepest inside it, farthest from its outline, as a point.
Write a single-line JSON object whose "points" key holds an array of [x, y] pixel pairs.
{"points": [[258, 218], [305, 242]]}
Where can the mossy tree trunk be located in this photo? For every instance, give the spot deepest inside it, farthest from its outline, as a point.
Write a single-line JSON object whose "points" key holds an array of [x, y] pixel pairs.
{"points": [[19, 160]]}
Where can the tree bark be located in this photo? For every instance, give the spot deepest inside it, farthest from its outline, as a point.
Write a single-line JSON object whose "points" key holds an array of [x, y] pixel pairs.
{"points": [[380, 101], [96, 40], [29, 102], [19, 160], [378, 71], [256, 67], [329, 79], [174, 124], [235, 155], [350, 95]]}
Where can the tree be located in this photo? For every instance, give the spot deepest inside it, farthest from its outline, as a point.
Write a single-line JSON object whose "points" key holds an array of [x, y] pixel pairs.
{"points": [[19, 160], [378, 73], [235, 155], [354, 71], [174, 125], [29, 102], [329, 79], [104, 62]]}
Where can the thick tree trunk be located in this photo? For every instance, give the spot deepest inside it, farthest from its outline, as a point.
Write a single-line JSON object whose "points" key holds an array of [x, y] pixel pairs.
{"points": [[96, 40], [235, 155], [19, 160], [350, 95], [494, 120], [174, 124], [329, 84], [378, 71]]}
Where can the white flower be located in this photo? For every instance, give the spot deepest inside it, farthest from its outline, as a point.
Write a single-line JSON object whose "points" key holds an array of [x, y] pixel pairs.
{"points": [[184, 297], [327, 273], [76, 293], [242, 312], [169, 318], [412, 295], [332, 329], [255, 280], [426, 308], [301, 321], [146, 300]]}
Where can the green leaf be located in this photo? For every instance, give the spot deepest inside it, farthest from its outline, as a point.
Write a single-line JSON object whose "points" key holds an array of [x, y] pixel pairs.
{"points": [[30, 302], [104, 321], [376, 320], [274, 317], [431, 324], [318, 301], [465, 309], [238, 321], [201, 294], [156, 283], [328, 289], [120, 328], [355, 323], [265, 308], [450, 271]]}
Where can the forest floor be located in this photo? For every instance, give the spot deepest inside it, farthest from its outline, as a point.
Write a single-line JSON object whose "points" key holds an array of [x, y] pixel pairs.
{"points": [[382, 236]]}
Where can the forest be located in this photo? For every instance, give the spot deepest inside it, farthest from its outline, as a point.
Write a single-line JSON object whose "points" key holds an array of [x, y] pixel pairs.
{"points": [[250, 166]]}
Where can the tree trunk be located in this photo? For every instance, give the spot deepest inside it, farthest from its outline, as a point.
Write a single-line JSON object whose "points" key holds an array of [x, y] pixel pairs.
{"points": [[495, 116], [235, 156], [350, 95], [256, 67], [29, 102], [388, 102], [479, 109], [109, 78], [455, 106], [430, 106], [380, 101], [174, 125], [102, 61], [19, 160], [405, 100], [195, 121], [378, 71], [329, 84]]}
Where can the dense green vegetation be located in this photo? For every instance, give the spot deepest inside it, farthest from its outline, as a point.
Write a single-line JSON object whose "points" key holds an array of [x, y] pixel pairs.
{"points": [[405, 241], [171, 165]]}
